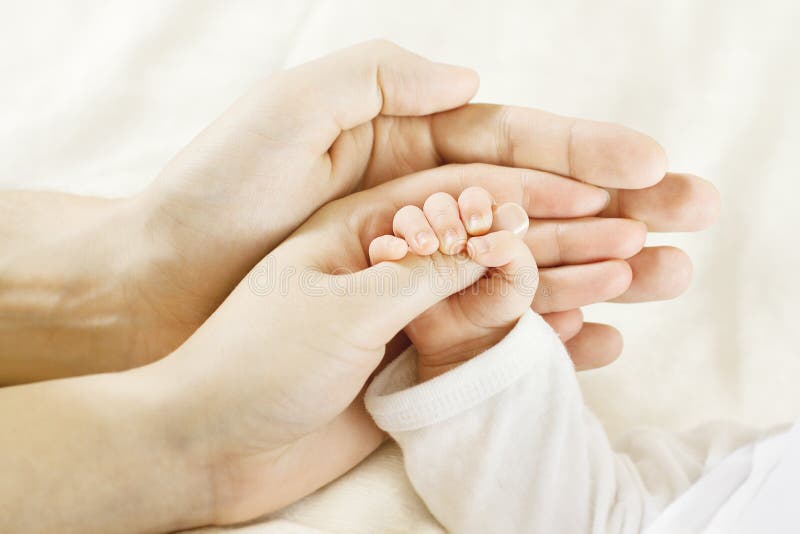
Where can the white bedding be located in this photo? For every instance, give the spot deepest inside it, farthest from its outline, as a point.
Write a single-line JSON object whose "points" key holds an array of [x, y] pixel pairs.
{"points": [[96, 96]]}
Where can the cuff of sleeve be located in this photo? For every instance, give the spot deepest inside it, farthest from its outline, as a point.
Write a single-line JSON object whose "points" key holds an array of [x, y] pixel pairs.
{"points": [[397, 403]]}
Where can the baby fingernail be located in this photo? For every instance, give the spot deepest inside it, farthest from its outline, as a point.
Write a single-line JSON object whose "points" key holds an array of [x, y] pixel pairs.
{"points": [[451, 243], [511, 217], [477, 223], [424, 239]]}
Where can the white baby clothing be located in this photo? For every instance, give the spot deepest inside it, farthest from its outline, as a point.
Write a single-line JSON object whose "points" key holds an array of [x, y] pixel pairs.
{"points": [[504, 443]]}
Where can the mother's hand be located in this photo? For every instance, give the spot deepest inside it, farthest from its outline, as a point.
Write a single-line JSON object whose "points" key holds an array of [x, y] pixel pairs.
{"points": [[269, 385]]}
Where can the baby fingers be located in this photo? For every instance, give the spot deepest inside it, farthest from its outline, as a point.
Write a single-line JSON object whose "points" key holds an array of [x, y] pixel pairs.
{"points": [[511, 217], [498, 249], [475, 205], [442, 213], [387, 248], [411, 224]]}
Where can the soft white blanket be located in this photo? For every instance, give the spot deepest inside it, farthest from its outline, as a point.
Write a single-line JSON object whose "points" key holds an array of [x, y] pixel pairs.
{"points": [[96, 96]]}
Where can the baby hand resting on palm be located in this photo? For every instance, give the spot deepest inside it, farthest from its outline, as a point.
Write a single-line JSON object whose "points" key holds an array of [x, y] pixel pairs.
{"points": [[474, 229]]}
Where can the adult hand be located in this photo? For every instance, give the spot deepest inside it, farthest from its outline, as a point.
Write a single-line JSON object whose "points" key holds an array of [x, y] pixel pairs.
{"points": [[376, 112], [275, 371], [252, 412], [138, 276]]}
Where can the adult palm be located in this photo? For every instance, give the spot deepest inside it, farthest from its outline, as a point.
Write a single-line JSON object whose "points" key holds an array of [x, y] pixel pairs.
{"points": [[375, 112]]}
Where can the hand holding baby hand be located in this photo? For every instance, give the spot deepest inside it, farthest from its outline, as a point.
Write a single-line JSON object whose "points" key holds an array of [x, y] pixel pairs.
{"points": [[470, 321], [277, 370]]}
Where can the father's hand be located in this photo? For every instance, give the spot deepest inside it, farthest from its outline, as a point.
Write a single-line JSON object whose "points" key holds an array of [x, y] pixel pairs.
{"points": [[375, 112]]}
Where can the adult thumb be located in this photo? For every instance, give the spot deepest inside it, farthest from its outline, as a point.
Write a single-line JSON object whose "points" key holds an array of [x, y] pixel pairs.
{"points": [[384, 298], [322, 98]]}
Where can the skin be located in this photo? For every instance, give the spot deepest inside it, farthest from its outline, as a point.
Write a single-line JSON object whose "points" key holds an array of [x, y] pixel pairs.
{"points": [[135, 277], [274, 407], [230, 425], [468, 322], [216, 432]]}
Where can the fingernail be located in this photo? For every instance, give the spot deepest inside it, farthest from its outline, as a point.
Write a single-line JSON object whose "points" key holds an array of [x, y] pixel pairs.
{"points": [[511, 217], [477, 224], [424, 239], [451, 242], [478, 245]]}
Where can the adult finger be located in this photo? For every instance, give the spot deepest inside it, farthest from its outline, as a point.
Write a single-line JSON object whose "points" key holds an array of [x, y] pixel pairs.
{"points": [[655, 273], [566, 324], [678, 203], [659, 273], [596, 345], [573, 286], [600, 153], [316, 101], [586, 240]]}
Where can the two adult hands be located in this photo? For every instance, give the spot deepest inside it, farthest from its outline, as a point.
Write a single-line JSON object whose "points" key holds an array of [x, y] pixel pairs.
{"points": [[355, 120], [268, 388], [269, 428], [344, 123], [376, 112]]}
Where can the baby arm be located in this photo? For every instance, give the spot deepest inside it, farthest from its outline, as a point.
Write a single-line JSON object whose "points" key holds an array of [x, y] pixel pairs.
{"points": [[501, 441]]}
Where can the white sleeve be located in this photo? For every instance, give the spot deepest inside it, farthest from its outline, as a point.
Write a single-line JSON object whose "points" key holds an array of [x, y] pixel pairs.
{"points": [[503, 443]]}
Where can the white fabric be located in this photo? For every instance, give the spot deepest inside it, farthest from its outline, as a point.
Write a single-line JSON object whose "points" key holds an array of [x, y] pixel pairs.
{"points": [[753, 490], [504, 443], [96, 96]]}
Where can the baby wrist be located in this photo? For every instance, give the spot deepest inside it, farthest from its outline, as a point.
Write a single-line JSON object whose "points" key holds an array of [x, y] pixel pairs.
{"points": [[398, 402]]}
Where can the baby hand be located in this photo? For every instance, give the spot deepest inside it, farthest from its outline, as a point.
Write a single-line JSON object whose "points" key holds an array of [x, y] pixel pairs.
{"points": [[470, 321]]}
